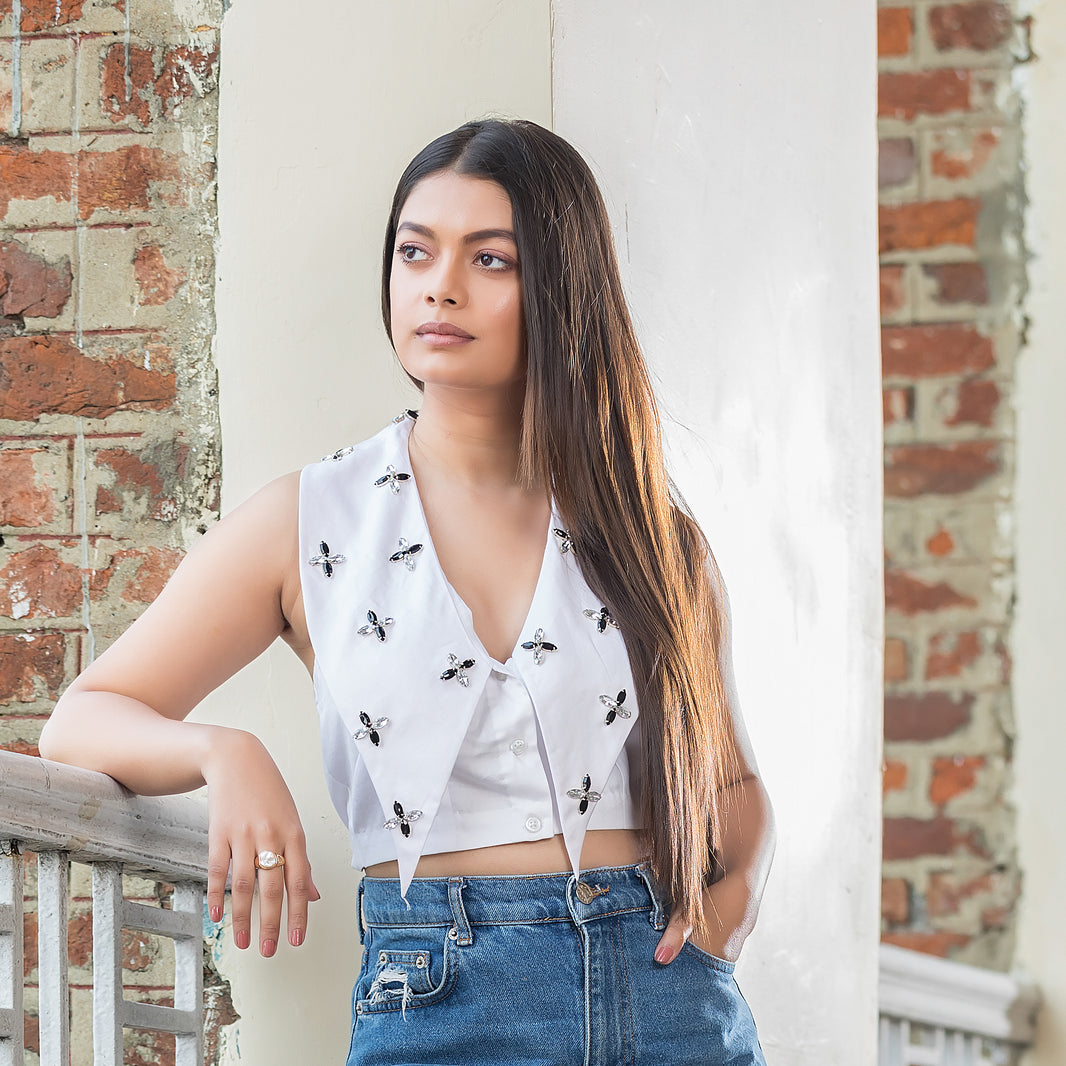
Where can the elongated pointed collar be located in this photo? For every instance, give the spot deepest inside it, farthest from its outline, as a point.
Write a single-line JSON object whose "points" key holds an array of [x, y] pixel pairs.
{"points": [[394, 642]]}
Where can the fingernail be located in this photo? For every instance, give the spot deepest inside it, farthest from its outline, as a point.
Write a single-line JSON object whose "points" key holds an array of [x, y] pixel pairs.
{"points": [[268, 948], [662, 955], [242, 939], [296, 937], [216, 914]]}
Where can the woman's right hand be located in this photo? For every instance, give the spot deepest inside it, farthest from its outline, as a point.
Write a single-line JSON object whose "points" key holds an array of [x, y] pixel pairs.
{"points": [[236, 592], [251, 810]]}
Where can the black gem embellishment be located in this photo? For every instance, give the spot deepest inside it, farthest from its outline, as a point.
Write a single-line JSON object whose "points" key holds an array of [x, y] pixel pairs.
{"points": [[564, 540], [376, 626], [603, 618], [584, 794], [408, 413], [325, 559], [392, 478], [457, 670], [403, 819], [406, 553], [615, 708], [339, 454], [538, 645], [370, 728]]}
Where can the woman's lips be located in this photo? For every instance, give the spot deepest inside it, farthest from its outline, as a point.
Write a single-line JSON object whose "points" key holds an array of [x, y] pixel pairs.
{"points": [[442, 334]]}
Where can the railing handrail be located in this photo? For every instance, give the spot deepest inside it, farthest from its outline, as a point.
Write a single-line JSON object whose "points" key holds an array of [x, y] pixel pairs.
{"points": [[952, 995], [49, 806]]}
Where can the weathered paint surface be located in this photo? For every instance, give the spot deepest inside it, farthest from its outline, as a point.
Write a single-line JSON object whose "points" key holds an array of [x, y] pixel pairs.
{"points": [[109, 435], [316, 372], [736, 151]]}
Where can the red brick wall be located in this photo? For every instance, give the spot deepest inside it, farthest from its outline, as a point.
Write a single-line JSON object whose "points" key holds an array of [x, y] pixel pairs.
{"points": [[109, 435], [108, 421], [952, 281]]}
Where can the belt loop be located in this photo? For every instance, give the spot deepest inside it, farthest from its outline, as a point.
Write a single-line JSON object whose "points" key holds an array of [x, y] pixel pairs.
{"points": [[464, 934], [359, 911], [657, 917]]}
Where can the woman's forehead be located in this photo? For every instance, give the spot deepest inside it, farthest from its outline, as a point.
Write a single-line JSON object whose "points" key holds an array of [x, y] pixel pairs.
{"points": [[457, 201]]}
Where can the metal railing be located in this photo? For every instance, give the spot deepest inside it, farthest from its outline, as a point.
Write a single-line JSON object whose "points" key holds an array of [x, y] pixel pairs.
{"points": [[65, 814], [932, 1012], [935, 1012]]}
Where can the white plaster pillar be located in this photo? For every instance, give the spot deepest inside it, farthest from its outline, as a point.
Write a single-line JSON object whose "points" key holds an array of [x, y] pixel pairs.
{"points": [[737, 146], [1039, 632], [321, 108]]}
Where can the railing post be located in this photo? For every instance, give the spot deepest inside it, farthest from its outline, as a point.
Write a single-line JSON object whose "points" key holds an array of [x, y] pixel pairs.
{"points": [[53, 874], [107, 964], [12, 1026], [189, 974], [69, 815]]}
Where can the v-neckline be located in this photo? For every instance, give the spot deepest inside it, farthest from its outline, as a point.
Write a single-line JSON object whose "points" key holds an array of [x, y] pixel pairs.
{"points": [[457, 600]]}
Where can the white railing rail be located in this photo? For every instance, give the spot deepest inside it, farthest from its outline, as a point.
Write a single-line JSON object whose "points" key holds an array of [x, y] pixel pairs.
{"points": [[935, 1012], [65, 815]]}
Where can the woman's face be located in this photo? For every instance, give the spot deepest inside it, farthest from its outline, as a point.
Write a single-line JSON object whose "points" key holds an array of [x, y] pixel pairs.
{"points": [[455, 264]]}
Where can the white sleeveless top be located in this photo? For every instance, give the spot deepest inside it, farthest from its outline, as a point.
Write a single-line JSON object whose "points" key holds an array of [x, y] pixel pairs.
{"points": [[429, 744]]}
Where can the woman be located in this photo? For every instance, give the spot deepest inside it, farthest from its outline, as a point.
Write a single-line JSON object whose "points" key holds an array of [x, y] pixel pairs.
{"points": [[520, 649]]}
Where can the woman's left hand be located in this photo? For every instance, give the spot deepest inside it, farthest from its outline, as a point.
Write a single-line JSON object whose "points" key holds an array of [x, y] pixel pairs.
{"points": [[728, 905], [677, 933], [674, 939]]}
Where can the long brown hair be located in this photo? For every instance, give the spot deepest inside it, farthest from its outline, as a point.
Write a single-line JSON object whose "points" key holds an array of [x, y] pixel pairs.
{"points": [[590, 430]]}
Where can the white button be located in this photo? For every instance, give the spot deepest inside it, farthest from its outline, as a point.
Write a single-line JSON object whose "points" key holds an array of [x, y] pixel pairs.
{"points": [[518, 746], [533, 823]]}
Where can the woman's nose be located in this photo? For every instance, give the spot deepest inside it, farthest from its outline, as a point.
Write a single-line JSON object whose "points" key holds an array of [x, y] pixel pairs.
{"points": [[444, 286]]}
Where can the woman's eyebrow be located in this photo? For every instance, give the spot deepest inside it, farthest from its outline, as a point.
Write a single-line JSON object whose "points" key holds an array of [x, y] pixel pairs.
{"points": [[470, 238]]}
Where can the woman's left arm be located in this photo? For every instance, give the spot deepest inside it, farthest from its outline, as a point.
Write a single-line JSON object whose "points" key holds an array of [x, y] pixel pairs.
{"points": [[732, 902]]}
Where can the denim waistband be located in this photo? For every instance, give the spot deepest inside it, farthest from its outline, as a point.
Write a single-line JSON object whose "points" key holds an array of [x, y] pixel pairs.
{"points": [[511, 899]]}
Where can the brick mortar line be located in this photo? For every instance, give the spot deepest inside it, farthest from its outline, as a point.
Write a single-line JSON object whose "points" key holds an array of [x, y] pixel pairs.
{"points": [[94, 538], [927, 122], [158, 417], [139, 137], [68, 437], [80, 516], [947, 565], [122, 331], [16, 69], [115, 131], [51, 35], [948, 441], [62, 227], [43, 630]]}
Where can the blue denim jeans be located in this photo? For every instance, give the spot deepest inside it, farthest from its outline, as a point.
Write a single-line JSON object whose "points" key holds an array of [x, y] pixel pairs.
{"points": [[538, 969]]}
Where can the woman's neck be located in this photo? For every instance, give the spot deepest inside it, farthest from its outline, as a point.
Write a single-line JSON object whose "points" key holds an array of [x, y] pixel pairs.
{"points": [[476, 443]]}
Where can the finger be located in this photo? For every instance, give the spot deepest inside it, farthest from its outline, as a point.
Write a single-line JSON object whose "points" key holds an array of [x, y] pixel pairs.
{"points": [[298, 889], [217, 871], [672, 941], [271, 893], [242, 885]]}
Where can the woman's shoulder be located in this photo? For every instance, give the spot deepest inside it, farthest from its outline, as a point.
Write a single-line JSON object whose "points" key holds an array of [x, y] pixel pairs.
{"points": [[264, 528], [370, 457]]}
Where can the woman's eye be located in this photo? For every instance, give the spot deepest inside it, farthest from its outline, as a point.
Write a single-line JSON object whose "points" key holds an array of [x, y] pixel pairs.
{"points": [[492, 262], [410, 253]]}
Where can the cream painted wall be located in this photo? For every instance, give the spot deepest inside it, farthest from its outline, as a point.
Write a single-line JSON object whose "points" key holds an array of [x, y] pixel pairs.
{"points": [[315, 128], [737, 145], [1039, 633], [753, 282]]}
